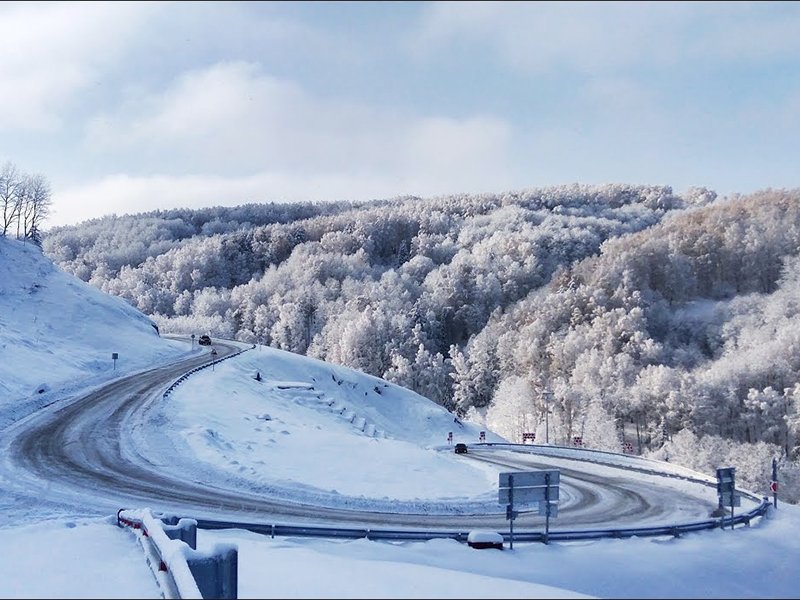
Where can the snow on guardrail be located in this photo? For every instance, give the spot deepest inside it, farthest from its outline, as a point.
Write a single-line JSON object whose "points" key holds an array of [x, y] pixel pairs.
{"points": [[180, 570], [190, 372]]}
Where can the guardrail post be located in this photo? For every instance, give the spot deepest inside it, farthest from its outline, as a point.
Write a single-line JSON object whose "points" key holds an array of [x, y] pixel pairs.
{"points": [[216, 573], [184, 530]]}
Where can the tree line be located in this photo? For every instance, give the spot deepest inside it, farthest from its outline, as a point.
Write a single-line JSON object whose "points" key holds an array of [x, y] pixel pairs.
{"points": [[25, 201]]}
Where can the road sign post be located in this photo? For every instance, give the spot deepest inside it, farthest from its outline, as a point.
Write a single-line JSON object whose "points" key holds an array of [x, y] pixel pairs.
{"points": [[510, 512], [114, 357], [773, 485], [192, 341], [547, 508], [726, 489], [529, 487]]}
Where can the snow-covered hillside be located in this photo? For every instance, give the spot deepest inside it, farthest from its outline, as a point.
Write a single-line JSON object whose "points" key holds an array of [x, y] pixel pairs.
{"points": [[59, 333], [313, 430], [305, 422]]}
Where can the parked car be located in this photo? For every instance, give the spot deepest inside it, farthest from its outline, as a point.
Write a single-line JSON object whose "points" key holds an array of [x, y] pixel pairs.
{"points": [[461, 448], [204, 340]]}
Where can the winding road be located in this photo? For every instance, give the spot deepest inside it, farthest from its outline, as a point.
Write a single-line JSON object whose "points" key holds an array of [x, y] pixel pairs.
{"points": [[75, 455]]}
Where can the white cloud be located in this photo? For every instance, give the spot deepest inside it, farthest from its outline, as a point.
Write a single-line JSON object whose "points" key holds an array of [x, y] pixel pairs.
{"points": [[230, 133], [125, 194], [232, 116], [31, 100], [611, 36], [212, 111], [454, 150], [51, 51]]}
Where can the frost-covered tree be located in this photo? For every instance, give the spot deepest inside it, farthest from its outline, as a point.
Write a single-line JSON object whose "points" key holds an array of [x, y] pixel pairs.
{"points": [[599, 429], [512, 411]]}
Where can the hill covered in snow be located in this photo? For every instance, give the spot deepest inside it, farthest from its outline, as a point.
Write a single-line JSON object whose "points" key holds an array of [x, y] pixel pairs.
{"points": [[304, 428], [301, 424], [58, 333]]}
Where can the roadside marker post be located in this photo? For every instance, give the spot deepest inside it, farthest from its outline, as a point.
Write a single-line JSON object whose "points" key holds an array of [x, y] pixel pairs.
{"points": [[773, 485], [726, 489]]}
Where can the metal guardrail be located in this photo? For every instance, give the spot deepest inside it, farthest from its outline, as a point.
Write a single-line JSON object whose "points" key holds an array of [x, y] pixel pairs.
{"points": [[190, 372], [655, 467], [608, 458], [462, 535], [181, 571]]}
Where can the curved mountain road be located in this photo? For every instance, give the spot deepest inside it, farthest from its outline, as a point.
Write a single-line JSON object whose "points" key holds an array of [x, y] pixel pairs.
{"points": [[75, 456]]}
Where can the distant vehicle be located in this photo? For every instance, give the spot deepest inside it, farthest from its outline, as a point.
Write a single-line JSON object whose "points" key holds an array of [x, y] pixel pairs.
{"points": [[204, 340], [461, 448]]}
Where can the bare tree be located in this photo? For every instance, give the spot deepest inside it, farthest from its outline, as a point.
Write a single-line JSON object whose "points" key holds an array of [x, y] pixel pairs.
{"points": [[25, 202], [36, 206], [11, 182]]}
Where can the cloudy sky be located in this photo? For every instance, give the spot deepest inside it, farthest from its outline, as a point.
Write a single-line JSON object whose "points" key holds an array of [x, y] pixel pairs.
{"points": [[129, 107]]}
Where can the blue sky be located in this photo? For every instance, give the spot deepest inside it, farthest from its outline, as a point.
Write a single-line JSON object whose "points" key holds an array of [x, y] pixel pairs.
{"points": [[128, 107]]}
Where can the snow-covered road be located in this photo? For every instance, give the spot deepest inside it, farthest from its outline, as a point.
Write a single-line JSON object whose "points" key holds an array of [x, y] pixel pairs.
{"points": [[106, 451]]}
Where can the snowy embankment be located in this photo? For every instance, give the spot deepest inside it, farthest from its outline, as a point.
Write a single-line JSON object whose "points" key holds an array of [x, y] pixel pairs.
{"points": [[59, 335]]}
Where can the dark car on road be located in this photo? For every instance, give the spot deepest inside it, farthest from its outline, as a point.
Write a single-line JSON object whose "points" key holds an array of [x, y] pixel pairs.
{"points": [[461, 448], [204, 340]]}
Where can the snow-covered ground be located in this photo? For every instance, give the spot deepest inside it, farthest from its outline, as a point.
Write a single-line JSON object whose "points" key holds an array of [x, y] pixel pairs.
{"points": [[326, 434], [59, 334]]}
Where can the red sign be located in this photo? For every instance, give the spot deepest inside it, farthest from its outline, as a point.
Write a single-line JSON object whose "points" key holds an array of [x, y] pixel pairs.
{"points": [[450, 436], [483, 436], [577, 441], [528, 436], [773, 486]]}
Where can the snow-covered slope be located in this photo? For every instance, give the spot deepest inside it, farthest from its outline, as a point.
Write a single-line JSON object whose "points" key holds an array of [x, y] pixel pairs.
{"points": [[315, 432], [58, 332], [306, 430], [301, 428]]}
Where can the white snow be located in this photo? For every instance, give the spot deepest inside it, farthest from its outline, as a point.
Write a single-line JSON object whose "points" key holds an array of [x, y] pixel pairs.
{"points": [[58, 333], [330, 436]]}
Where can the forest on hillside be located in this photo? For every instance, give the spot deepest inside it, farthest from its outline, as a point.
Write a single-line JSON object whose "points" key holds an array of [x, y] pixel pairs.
{"points": [[614, 314]]}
